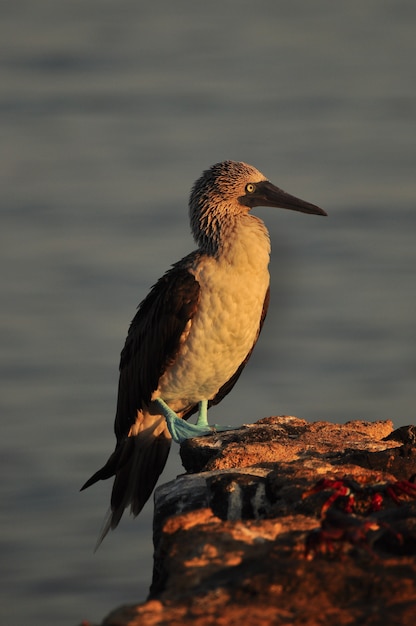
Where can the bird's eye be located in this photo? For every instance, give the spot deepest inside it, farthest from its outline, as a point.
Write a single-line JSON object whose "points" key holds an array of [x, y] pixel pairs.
{"points": [[250, 187]]}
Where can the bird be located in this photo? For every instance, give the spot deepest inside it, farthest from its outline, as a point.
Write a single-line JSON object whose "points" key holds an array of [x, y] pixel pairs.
{"points": [[194, 332]]}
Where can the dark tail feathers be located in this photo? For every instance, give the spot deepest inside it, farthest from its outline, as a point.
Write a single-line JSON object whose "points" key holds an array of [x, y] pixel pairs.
{"points": [[136, 463]]}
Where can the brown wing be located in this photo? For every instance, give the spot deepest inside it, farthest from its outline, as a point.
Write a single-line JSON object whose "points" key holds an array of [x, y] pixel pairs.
{"points": [[153, 342]]}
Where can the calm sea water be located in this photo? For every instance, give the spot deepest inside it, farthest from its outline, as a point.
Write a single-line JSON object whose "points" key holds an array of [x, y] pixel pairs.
{"points": [[109, 111]]}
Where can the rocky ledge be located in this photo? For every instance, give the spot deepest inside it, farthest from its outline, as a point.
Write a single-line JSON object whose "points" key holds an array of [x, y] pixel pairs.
{"points": [[286, 522]]}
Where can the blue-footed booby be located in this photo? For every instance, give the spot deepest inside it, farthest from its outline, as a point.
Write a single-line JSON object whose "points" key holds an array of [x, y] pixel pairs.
{"points": [[194, 332]]}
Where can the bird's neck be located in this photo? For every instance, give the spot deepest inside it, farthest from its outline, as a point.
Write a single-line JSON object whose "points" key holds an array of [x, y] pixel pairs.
{"points": [[242, 241]]}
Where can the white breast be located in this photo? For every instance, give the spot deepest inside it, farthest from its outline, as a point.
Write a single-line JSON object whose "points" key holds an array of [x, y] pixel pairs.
{"points": [[225, 327]]}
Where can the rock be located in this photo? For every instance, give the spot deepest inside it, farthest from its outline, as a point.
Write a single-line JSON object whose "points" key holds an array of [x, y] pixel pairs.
{"points": [[286, 522]]}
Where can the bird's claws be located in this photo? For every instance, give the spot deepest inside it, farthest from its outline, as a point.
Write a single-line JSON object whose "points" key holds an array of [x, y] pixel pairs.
{"points": [[217, 428], [181, 431]]}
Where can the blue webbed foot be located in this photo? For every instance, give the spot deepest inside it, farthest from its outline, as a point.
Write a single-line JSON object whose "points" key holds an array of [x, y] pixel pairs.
{"points": [[181, 430]]}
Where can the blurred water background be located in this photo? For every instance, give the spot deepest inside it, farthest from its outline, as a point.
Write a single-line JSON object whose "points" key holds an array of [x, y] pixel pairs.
{"points": [[109, 110]]}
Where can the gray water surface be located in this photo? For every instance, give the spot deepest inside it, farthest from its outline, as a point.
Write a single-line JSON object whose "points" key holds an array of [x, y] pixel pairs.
{"points": [[108, 113]]}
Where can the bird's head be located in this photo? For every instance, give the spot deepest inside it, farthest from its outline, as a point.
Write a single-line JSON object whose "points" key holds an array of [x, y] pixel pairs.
{"points": [[229, 189]]}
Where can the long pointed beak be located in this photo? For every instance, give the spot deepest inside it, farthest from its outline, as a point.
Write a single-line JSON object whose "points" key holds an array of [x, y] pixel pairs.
{"points": [[266, 194]]}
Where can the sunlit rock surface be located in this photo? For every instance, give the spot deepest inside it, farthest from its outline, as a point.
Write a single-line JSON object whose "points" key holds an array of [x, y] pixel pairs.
{"points": [[286, 522]]}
